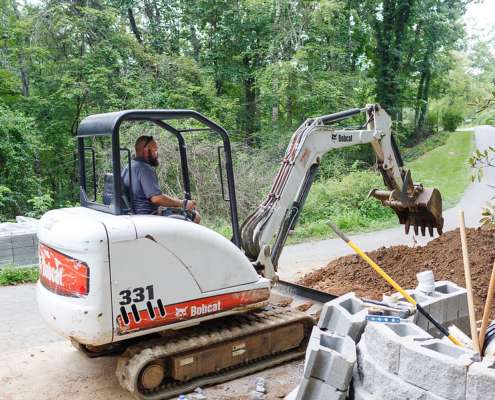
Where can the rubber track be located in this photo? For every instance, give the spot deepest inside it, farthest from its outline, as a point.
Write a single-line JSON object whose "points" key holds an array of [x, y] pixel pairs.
{"points": [[136, 357]]}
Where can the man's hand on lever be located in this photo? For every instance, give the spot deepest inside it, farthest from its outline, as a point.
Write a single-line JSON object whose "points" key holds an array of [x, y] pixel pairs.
{"points": [[188, 205]]}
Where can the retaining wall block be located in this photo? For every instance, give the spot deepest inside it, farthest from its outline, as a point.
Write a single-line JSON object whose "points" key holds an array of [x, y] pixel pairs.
{"points": [[5, 243], [314, 389], [313, 343], [345, 315], [481, 380], [436, 366], [384, 341], [380, 383], [457, 306], [361, 394], [447, 304], [333, 361]]}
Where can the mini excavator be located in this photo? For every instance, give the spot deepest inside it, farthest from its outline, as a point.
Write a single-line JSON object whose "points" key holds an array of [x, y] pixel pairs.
{"points": [[182, 305]]}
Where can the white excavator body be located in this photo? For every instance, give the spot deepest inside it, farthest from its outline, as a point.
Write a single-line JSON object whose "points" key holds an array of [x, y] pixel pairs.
{"points": [[106, 278]]}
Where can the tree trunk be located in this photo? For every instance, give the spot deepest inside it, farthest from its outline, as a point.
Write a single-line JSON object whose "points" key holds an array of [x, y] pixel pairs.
{"points": [[134, 27], [195, 42], [390, 34], [250, 111], [22, 61]]}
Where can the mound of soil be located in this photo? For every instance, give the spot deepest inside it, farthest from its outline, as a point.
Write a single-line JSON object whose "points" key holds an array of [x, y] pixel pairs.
{"points": [[442, 255]]}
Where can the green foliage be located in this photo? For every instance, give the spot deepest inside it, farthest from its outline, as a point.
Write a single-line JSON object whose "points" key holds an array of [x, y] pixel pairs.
{"points": [[39, 205], [11, 275], [343, 201], [451, 119], [258, 67]]}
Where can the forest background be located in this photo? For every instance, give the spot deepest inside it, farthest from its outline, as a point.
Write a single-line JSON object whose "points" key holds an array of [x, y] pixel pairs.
{"points": [[257, 67]]}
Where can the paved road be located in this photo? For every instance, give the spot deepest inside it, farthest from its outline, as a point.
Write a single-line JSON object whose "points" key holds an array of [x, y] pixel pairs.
{"points": [[37, 363], [302, 258]]}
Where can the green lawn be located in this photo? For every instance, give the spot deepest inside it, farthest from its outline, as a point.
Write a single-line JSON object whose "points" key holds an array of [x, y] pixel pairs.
{"points": [[445, 167]]}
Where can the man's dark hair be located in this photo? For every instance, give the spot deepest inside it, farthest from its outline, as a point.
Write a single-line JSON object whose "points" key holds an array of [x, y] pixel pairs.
{"points": [[142, 142]]}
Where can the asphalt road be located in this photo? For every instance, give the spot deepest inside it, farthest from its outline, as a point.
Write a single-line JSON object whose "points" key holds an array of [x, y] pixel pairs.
{"points": [[299, 259], [38, 364]]}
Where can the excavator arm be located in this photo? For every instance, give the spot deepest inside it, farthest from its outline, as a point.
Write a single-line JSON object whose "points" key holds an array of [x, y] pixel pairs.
{"points": [[265, 231]]}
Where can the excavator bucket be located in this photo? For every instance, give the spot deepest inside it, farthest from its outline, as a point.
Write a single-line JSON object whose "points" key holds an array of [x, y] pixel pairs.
{"points": [[421, 209]]}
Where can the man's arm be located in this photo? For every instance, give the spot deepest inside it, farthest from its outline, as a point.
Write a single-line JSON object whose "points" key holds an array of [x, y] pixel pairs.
{"points": [[167, 201]]}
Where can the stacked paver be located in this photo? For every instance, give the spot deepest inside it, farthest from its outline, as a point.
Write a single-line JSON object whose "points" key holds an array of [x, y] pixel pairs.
{"points": [[18, 243], [394, 361]]}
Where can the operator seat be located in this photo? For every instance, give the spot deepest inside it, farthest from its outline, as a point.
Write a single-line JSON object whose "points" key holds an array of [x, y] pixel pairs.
{"points": [[108, 193]]}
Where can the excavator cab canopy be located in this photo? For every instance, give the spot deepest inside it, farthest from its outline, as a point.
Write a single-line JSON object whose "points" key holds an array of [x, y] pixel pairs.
{"points": [[109, 124]]}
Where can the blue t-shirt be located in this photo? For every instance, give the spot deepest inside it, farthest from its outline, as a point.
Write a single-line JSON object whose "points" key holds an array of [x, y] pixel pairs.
{"points": [[144, 186]]}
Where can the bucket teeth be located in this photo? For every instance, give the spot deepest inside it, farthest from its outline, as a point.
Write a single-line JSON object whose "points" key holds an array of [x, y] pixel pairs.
{"points": [[421, 209]]}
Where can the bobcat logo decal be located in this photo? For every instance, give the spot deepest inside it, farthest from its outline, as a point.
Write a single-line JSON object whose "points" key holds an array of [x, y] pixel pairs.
{"points": [[181, 312]]}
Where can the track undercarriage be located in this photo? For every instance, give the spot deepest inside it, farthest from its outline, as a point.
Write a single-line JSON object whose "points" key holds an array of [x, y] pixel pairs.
{"points": [[213, 352]]}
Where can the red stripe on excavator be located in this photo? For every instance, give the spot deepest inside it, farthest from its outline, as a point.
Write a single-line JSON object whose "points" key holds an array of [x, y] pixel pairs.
{"points": [[191, 310]]}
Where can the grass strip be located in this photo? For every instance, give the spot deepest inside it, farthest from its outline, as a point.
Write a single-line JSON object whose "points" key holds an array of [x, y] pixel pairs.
{"points": [[11, 275]]}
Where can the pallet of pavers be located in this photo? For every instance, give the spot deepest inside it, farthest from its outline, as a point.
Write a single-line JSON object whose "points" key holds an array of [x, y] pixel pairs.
{"points": [[351, 357], [18, 242]]}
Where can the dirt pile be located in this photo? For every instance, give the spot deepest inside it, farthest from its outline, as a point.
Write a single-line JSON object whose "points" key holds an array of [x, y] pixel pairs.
{"points": [[442, 255]]}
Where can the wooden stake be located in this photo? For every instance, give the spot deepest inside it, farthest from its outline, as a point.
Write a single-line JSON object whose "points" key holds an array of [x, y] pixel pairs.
{"points": [[488, 307], [469, 286]]}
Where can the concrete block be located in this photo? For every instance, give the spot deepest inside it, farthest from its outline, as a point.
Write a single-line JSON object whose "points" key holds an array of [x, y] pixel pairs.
{"points": [[313, 343], [431, 396], [361, 394], [384, 341], [481, 381], [333, 361], [380, 383], [25, 242], [437, 367], [25, 261], [6, 240], [314, 389], [456, 308], [6, 253], [25, 251], [345, 316]]}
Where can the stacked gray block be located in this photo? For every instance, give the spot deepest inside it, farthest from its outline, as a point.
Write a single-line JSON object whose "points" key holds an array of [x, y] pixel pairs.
{"points": [[447, 305], [384, 342], [415, 365], [481, 380], [437, 367], [328, 368], [345, 316], [374, 380], [18, 244]]}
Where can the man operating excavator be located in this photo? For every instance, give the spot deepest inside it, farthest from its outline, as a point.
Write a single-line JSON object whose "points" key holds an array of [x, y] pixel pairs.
{"points": [[147, 196]]}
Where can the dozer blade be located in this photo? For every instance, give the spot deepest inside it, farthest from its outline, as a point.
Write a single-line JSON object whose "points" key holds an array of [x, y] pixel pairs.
{"points": [[422, 210]]}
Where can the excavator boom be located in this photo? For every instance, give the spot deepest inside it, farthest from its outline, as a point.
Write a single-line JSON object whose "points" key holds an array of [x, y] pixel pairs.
{"points": [[264, 232]]}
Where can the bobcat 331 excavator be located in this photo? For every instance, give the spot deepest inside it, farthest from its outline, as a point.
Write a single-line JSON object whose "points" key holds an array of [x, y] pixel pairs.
{"points": [[181, 304]]}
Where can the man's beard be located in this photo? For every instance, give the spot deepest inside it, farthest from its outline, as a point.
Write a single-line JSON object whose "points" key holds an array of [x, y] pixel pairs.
{"points": [[152, 160]]}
